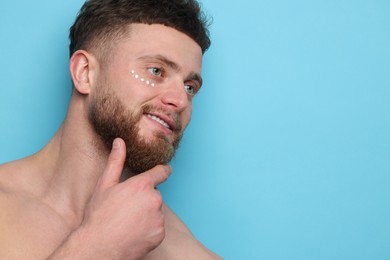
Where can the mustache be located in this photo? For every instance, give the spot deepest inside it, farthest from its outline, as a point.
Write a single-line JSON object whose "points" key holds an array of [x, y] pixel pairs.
{"points": [[177, 125]]}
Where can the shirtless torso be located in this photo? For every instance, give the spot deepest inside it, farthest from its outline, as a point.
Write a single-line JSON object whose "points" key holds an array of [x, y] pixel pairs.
{"points": [[32, 229]]}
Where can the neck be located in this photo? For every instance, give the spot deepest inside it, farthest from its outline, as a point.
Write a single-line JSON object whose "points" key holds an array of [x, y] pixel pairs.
{"points": [[70, 165]]}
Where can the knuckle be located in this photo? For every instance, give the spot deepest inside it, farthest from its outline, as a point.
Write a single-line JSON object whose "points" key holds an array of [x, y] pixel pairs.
{"points": [[162, 234], [160, 231], [144, 183], [156, 199]]}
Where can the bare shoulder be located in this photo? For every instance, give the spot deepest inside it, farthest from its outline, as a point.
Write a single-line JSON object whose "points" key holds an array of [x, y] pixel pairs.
{"points": [[179, 242], [5, 190], [7, 209], [23, 220], [9, 176], [7, 182], [18, 179]]}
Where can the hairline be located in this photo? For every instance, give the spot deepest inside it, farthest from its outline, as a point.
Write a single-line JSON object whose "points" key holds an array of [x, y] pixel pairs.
{"points": [[102, 44]]}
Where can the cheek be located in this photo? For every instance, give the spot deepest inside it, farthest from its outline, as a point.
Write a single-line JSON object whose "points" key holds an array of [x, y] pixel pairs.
{"points": [[138, 88], [186, 116]]}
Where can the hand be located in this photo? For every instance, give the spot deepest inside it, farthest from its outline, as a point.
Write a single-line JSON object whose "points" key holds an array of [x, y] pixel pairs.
{"points": [[124, 220]]}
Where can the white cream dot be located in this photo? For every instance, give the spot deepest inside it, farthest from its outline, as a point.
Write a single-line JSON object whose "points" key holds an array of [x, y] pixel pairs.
{"points": [[142, 79], [152, 84], [147, 82], [136, 76], [132, 71]]}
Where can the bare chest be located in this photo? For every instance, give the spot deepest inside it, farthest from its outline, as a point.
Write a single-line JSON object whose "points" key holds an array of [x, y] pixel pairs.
{"points": [[30, 230]]}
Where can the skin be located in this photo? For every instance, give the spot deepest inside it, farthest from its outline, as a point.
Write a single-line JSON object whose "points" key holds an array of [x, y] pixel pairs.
{"points": [[67, 200]]}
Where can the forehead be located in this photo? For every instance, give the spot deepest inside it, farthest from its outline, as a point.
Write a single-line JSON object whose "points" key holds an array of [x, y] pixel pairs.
{"points": [[156, 39]]}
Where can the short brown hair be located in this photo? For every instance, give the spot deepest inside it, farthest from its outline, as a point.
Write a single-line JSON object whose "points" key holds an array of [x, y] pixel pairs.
{"points": [[103, 21]]}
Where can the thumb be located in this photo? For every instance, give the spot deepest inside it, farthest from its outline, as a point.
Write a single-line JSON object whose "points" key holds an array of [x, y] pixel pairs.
{"points": [[114, 167]]}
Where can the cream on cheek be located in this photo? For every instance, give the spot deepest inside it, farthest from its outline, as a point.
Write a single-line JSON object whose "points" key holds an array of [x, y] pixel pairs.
{"points": [[143, 79]]}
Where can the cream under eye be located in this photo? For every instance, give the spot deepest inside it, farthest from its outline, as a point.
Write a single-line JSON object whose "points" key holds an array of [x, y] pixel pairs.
{"points": [[143, 79]]}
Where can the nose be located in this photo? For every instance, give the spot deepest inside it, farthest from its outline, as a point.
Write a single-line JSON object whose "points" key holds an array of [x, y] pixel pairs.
{"points": [[175, 96]]}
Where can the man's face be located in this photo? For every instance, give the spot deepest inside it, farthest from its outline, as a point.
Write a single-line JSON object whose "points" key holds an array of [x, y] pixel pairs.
{"points": [[144, 94]]}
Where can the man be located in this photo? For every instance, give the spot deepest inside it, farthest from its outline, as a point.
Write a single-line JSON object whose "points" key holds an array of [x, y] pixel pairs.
{"points": [[90, 192]]}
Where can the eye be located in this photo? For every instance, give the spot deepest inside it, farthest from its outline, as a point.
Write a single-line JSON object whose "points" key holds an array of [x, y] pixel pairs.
{"points": [[155, 71], [190, 89]]}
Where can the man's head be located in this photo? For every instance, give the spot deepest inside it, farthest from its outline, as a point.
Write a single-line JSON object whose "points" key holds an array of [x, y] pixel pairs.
{"points": [[101, 22], [139, 62]]}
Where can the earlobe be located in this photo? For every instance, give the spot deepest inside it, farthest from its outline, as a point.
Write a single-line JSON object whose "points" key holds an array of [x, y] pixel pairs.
{"points": [[81, 70]]}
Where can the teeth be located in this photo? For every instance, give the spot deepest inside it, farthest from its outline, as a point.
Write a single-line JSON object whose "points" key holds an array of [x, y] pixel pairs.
{"points": [[159, 120]]}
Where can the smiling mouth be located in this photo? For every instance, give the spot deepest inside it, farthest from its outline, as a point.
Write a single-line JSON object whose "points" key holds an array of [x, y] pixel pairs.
{"points": [[159, 120]]}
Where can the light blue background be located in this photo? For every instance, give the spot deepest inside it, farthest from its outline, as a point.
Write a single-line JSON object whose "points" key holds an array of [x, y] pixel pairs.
{"points": [[288, 152]]}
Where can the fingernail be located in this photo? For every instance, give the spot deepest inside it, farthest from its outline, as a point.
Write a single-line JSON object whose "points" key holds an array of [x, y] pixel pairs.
{"points": [[116, 144]]}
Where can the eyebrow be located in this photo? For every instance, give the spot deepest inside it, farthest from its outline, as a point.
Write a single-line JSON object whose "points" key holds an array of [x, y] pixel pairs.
{"points": [[173, 65], [196, 77]]}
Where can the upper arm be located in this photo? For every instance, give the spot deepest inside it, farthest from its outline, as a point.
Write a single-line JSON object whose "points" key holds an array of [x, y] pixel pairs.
{"points": [[179, 242]]}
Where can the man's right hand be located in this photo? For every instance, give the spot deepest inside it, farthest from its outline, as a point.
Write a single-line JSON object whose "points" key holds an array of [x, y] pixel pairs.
{"points": [[122, 220]]}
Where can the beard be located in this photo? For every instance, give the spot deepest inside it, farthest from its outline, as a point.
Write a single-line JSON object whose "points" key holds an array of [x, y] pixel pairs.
{"points": [[111, 119]]}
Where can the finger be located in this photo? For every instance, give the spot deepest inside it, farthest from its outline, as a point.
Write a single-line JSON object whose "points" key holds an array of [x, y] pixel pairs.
{"points": [[158, 174], [114, 167]]}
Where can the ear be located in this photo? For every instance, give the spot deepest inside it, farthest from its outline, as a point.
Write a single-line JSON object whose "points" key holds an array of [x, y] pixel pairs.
{"points": [[83, 68]]}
